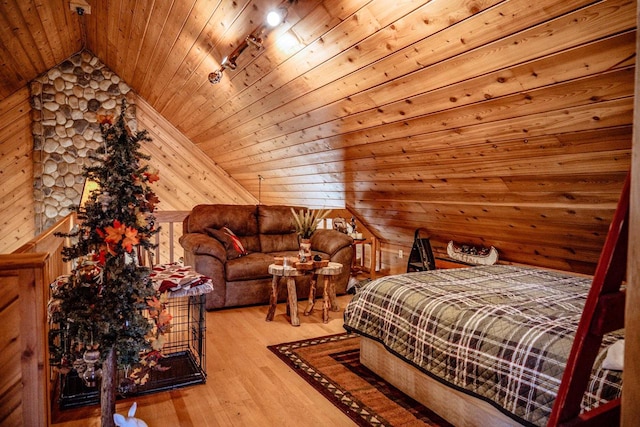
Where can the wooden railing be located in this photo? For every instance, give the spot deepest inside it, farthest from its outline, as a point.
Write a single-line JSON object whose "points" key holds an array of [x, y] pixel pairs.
{"points": [[169, 250], [24, 278], [25, 275]]}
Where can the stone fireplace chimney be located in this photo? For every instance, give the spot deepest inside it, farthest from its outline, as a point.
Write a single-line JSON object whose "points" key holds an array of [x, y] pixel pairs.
{"points": [[66, 101]]}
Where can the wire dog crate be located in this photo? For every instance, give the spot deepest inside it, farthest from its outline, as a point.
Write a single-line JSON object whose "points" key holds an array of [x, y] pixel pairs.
{"points": [[183, 351]]}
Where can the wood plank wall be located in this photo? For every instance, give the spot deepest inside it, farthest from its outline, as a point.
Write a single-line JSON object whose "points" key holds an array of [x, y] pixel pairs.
{"points": [[187, 177], [25, 276], [492, 122], [17, 224], [508, 124], [631, 373], [34, 37], [24, 380]]}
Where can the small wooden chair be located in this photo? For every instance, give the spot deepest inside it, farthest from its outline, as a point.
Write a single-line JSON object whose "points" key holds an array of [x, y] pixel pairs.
{"points": [[421, 256]]}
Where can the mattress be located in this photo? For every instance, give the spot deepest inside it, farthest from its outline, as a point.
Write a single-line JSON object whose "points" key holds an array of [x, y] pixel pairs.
{"points": [[501, 333]]}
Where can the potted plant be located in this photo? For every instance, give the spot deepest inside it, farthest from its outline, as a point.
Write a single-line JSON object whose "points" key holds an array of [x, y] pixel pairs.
{"points": [[306, 223]]}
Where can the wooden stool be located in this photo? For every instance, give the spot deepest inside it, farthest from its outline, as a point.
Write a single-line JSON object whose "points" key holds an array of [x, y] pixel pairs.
{"points": [[290, 273], [329, 302]]}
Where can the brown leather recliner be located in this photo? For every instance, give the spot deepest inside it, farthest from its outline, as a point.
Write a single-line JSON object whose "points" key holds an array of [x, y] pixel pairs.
{"points": [[265, 232]]}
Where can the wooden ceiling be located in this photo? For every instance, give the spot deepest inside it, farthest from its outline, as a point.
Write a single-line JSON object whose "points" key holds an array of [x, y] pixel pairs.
{"points": [[504, 123]]}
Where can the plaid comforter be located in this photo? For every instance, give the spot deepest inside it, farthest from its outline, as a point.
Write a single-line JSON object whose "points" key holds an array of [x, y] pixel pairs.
{"points": [[501, 333]]}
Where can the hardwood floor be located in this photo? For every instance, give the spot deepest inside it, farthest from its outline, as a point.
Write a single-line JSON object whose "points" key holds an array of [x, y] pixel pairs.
{"points": [[247, 385]]}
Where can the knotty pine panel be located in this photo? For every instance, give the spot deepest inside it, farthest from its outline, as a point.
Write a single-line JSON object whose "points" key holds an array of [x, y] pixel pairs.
{"points": [[562, 258], [187, 178], [218, 39], [321, 82], [540, 40], [34, 37], [428, 149], [326, 68], [159, 61], [153, 32], [122, 32], [358, 25], [582, 92], [422, 168], [66, 24], [523, 199], [596, 116], [587, 219], [389, 143], [358, 110], [526, 199], [318, 17], [390, 112], [487, 228], [186, 39], [605, 182], [248, 19], [127, 58], [11, 382], [16, 172]]}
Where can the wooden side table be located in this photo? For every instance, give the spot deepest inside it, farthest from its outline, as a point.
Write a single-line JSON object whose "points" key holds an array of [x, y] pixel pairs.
{"points": [[278, 271], [329, 302], [328, 273]]}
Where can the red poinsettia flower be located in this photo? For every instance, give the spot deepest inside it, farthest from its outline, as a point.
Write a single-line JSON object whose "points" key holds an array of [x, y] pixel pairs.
{"points": [[102, 257], [130, 238], [104, 120], [152, 200], [154, 306], [164, 321], [152, 175], [114, 233]]}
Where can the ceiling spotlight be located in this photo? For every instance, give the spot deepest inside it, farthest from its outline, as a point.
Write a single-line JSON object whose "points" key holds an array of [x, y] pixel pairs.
{"points": [[216, 76], [274, 18], [81, 7]]}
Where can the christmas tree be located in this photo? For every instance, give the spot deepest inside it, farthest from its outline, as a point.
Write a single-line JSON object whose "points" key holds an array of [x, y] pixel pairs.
{"points": [[108, 303]]}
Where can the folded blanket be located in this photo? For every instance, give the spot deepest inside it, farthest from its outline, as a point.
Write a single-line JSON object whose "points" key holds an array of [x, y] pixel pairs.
{"points": [[173, 277]]}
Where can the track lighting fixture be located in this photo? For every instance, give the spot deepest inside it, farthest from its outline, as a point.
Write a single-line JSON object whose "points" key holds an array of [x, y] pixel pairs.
{"points": [[274, 18]]}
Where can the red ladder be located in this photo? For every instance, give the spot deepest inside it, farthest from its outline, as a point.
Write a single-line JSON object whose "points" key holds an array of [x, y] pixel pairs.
{"points": [[603, 313]]}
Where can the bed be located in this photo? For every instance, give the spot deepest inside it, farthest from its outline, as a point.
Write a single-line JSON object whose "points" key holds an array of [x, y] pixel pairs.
{"points": [[500, 333], [501, 345]]}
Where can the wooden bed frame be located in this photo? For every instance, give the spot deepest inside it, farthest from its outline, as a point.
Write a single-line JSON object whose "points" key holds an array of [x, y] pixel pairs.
{"points": [[459, 408], [603, 313]]}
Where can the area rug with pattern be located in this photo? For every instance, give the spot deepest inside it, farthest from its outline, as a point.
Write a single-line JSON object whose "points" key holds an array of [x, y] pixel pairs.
{"points": [[332, 366]]}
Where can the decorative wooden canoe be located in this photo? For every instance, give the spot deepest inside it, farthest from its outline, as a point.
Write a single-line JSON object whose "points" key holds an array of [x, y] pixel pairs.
{"points": [[483, 256]]}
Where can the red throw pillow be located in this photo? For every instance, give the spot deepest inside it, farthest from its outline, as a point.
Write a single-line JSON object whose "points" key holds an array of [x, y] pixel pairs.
{"points": [[237, 244], [229, 240]]}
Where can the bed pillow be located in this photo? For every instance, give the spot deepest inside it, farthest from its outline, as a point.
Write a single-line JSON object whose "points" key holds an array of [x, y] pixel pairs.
{"points": [[229, 240], [615, 356]]}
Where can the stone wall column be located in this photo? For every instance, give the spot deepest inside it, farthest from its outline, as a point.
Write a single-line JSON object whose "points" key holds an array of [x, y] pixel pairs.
{"points": [[66, 102]]}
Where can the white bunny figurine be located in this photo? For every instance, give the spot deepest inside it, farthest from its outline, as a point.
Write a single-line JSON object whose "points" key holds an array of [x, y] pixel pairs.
{"points": [[130, 421]]}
